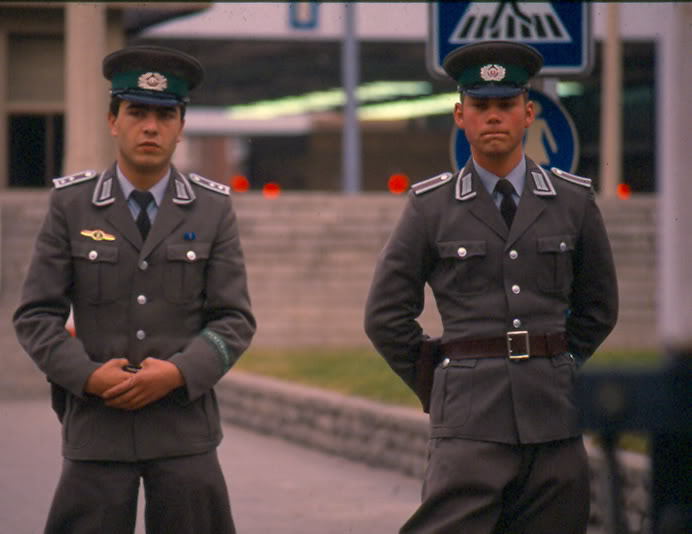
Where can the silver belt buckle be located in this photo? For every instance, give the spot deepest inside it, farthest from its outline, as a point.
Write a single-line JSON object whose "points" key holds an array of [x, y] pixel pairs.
{"points": [[518, 345]]}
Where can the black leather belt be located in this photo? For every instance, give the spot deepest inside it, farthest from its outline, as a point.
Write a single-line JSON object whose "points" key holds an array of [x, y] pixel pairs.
{"points": [[515, 345]]}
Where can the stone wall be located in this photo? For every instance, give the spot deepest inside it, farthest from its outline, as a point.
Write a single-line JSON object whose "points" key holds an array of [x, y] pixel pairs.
{"points": [[310, 258], [395, 438]]}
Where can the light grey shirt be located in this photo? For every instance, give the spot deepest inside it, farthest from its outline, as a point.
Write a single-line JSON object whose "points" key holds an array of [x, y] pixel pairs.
{"points": [[158, 191], [517, 176]]}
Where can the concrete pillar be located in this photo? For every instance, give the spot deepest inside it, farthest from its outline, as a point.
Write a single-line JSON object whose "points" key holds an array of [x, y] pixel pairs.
{"points": [[4, 140], [611, 105], [87, 143], [350, 68], [674, 115]]}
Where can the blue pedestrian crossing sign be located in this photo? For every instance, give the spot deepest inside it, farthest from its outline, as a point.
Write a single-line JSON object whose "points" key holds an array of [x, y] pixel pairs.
{"points": [[303, 15], [551, 141], [561, 31]]}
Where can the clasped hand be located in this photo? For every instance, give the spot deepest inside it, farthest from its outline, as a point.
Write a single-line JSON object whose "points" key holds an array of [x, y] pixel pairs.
{"points": [[132, 391]]}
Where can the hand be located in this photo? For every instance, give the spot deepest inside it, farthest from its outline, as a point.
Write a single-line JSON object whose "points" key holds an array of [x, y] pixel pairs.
{"points": [[105, 377], [154, 380]]}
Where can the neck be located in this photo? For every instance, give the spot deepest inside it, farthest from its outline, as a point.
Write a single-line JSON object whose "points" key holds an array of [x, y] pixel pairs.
{"points": [[499, 166], [142, 179]]}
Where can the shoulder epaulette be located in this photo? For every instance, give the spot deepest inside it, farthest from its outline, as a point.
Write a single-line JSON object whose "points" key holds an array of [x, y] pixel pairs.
{"points": [[72, 179], [579, 180], [210, 184], [431, 183]]}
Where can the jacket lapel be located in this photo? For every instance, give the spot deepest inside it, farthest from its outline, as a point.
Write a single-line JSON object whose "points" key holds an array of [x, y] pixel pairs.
{"points": [[108, 196], [482, 206], [171, 212], [537, 191]]}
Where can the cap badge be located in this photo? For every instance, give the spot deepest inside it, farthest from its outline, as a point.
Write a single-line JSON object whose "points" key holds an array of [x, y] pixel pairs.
{"points": [[98, 235], [153, 81], [493, 73]]}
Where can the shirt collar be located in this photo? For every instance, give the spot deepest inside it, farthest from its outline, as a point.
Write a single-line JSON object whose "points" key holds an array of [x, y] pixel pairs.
{"points": [[158, 190], [517, 176]]}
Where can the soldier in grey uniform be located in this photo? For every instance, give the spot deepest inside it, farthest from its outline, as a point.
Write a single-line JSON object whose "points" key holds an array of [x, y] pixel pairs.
{"points": [[522, 273], [149, 260]]}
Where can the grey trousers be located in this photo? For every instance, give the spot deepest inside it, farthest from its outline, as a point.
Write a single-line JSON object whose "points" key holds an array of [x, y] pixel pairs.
{"points": [[184, 495], [476, 487]]}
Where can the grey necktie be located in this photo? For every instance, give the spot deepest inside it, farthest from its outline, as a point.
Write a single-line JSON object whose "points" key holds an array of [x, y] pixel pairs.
{"points": [[143, 198], [507, 206]]}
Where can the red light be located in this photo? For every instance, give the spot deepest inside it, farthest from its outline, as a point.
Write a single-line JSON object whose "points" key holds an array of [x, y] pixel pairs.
{"points": [[624, 191], [240, 184], [271, 190], [398, 183]]}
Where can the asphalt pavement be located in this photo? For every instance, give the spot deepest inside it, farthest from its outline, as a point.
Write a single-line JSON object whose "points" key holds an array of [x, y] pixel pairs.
{"points": [[275, 486]]}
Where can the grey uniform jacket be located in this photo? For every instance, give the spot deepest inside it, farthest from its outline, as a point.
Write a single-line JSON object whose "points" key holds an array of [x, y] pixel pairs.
{"points": [[181, 296], [553, 272]]}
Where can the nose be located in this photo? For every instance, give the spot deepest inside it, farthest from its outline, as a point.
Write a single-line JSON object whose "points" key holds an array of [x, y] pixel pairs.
{"points": [[150, 124], [493, 116]]}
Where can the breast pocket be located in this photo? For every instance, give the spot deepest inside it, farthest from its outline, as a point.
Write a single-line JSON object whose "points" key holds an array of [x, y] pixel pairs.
{"points": [[555, 263], [183, 275], [463, 260], [97, 277]]}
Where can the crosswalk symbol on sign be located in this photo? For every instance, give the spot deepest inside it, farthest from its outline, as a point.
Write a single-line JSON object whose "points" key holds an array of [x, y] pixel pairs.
{"points": [[560, 31], [508, 21]]}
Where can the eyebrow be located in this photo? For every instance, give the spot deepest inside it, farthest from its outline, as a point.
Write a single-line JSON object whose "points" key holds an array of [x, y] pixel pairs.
{"points": [[149, 107]]}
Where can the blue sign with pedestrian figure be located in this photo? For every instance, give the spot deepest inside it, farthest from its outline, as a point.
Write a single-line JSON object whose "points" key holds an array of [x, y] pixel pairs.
{"points": [[303, 15], [551, 141], [561, 31]]}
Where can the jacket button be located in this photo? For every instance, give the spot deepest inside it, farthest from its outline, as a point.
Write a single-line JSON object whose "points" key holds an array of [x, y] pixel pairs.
{"points": [[516, 289], [461, 251], [143, 265], [141, 334], [93, 255], [563, 246], [516, 323], [445, 363], [141, 299], [513, 254], [191, 255]]}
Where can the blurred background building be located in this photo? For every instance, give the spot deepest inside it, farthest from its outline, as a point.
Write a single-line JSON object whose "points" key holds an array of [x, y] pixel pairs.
{"points": [[270, 109], [269, 119]]}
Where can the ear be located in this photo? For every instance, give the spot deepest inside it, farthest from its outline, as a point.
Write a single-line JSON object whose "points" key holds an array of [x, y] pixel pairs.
{"points": [[459, 115], [180, 133], [111, 124], [530, 114]]}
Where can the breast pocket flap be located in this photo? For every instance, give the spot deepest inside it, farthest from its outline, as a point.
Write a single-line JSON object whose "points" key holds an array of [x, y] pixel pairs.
{"points": [[94, 253], [188, 252], [461, 250], [556, 244]]}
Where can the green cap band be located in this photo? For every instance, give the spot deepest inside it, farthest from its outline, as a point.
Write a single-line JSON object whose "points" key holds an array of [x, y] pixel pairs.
{"points": [[156, 82], [494, 73]]}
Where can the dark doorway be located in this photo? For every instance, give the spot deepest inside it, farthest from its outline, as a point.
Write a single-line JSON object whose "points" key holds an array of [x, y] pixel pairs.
{"points": [[35, 149]]}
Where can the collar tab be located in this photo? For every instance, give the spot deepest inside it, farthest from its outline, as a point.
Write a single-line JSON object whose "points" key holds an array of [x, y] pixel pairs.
{"points": [[543, 186]]}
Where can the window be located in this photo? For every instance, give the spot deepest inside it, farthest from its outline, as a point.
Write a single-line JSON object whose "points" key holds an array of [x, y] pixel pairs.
{"points": [[36, 149]]}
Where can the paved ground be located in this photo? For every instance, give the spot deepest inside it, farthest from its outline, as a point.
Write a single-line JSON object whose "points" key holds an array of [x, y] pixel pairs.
{"points": [[275, 486]]}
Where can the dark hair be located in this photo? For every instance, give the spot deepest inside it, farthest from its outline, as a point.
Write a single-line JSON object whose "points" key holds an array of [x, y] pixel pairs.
{"points": [[114, 107]]}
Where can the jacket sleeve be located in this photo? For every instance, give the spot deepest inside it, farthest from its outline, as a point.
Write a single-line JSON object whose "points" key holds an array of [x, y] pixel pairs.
{"points": [[44, 307], [396, 295], [594, 301], [229, 323]]}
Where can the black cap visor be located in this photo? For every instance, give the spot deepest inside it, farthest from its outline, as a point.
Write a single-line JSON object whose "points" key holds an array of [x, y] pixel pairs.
{"points": [[494, 91], [149, 98]]}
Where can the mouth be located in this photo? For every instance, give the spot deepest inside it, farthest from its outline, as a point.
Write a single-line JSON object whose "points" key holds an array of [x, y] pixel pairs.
{"points": [[149, 146]]}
